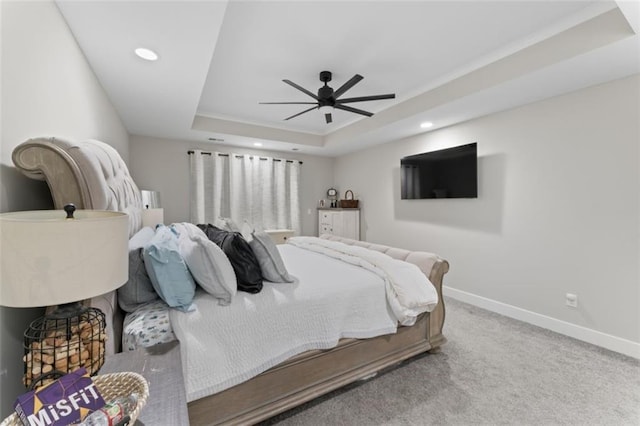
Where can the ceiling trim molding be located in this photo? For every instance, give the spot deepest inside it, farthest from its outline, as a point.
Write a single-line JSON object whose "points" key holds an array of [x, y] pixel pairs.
{"points": [[229, 127], [610, 27]]}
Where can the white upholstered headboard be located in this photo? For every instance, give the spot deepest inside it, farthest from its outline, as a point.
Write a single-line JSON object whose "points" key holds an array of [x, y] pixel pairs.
{"points": [[92, 175], [89, 174]]}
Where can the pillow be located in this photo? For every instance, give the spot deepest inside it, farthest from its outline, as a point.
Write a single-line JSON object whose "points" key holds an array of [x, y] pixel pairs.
{"points": [[138, 289], [227, 224], [247, 231], [269, 259], [147, 326], [168, 272], [208, 264], [244, 262]]}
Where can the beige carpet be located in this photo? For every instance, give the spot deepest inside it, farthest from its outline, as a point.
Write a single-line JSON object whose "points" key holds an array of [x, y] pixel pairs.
{"points": [[493, 371]]}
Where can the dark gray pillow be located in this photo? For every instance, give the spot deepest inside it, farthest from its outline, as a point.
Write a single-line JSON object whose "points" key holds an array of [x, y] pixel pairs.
{"points": [[243, 261], [269, 259], [138, 289]]}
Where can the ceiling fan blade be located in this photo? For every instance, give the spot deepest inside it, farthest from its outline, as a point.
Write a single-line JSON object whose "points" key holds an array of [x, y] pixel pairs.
{"points": [[366, 98], [288, 103], [328, 118], [300, 113], [348, 85], [302, 89], [350, 109]]}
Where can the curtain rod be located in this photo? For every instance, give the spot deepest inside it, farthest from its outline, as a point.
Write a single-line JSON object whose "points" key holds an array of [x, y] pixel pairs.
{"points": [[241, 156]]}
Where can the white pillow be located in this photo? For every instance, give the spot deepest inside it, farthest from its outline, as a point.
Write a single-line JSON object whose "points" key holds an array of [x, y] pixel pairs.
{"points": [[247, 231], [269, 259], [227, 224], [208, 264]]}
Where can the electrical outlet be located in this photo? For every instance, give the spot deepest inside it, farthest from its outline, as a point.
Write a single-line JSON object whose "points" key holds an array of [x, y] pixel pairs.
{"points": [[572, 300]]}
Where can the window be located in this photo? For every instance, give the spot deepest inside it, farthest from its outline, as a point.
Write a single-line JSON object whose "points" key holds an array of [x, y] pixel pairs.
{"points": [[263, 191]]}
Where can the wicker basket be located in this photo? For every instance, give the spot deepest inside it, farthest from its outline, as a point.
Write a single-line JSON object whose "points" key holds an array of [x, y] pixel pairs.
{"points": [[111, 386], [349, 203]]}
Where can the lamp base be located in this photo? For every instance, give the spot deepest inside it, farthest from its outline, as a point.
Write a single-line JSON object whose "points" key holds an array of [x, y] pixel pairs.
{"points": [[70, 337], [67, 310]]}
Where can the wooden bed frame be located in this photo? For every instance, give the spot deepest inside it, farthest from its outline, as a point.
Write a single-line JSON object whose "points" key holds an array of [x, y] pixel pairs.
{"points": [[92, 175]]}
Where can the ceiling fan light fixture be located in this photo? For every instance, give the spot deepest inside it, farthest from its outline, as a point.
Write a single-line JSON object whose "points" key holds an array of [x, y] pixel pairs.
{"points": [[327, 99], [146, 54]]}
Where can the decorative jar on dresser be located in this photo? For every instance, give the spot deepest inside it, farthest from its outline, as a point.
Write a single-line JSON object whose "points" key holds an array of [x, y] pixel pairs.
{"points": [[339, 222]]}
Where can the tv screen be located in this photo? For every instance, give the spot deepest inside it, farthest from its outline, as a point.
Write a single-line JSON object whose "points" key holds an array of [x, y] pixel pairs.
{"points": [[447, 173]]}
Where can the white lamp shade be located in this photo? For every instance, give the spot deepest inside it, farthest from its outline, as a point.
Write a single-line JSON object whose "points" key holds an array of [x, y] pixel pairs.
{"points": [[152, 217], [47, 260]]}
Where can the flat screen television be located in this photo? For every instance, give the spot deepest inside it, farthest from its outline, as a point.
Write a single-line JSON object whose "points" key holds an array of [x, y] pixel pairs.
{"points": [[447, 173]]}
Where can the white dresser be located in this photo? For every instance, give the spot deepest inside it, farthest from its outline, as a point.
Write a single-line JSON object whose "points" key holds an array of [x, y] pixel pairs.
{"points": [[340, 222]]}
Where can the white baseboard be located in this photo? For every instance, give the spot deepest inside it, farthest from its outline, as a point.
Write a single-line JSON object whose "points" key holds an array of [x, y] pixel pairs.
{"points": [[616, 344]]}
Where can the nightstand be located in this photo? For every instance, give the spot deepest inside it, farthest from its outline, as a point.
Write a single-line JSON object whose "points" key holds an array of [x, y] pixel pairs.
{"points": [[162, 367], [279, 236]]}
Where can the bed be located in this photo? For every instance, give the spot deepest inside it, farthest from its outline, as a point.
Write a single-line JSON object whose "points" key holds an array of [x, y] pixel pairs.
{"points": [[92, 175]]}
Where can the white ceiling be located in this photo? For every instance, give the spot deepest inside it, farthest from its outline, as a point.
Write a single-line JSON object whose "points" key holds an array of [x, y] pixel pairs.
{"points": [[446, 61]]}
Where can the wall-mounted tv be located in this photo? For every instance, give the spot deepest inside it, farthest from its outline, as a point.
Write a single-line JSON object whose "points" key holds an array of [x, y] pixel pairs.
{"points": [[447, 173]]}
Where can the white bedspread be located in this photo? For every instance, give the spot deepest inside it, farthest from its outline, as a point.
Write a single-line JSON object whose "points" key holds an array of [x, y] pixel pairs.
{"points": [[409, 291], [222, 346]]}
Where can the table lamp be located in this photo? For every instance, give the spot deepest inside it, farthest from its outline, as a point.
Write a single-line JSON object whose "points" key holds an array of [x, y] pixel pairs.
{"points": [[55, 257], [152, 213]]}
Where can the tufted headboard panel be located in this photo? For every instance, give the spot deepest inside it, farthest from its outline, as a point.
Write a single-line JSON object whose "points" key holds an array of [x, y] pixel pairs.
{"points": [[89, 174], [92, 175]]}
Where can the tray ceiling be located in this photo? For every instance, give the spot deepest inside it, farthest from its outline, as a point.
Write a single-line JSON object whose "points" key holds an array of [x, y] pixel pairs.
{"points": [[446, 62]]}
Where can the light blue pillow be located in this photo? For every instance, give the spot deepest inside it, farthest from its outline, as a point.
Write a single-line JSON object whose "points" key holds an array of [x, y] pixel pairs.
{"points": [[168, 272]]}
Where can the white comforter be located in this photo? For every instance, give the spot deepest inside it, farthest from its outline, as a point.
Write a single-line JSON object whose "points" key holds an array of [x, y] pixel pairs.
{"points": [[409, 292], [222, 346]]}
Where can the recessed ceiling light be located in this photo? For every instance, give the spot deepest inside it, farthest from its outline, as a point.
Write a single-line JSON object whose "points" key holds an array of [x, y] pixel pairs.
{"points": [[146, 54], [257, 144], [426, 124]]}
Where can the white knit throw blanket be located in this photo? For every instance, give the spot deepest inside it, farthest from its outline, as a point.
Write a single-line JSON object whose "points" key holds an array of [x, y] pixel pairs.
{"points": [[409, 291]]}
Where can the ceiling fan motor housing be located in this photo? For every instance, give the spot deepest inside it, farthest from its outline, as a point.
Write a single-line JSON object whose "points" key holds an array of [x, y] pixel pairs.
{"points": [[325, 96], [325, 76]]}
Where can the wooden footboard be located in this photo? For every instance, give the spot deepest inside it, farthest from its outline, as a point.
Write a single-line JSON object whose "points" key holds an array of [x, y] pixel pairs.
{"points": [[314, 373], [308, 376]]}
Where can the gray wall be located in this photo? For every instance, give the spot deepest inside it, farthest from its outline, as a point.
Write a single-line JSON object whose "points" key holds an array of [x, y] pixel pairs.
{"points": [[557, 212], [48, 89], [163, 165]]}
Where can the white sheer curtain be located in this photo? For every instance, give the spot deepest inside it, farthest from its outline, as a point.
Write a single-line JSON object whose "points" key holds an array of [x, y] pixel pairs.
{"points": [[261, 190]]}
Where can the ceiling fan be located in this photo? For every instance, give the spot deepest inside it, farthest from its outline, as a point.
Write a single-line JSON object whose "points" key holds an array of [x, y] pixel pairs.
{"points": [[327, 99]]}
